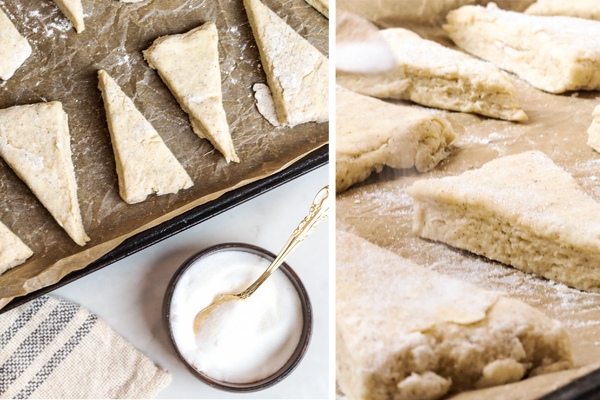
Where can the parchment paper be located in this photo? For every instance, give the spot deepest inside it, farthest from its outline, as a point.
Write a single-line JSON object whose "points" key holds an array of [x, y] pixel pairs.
{"points": [[380, 211], [64, 67]]}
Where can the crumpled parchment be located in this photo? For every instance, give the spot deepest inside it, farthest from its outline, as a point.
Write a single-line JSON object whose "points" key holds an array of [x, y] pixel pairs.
{"points": [[63, 67]]}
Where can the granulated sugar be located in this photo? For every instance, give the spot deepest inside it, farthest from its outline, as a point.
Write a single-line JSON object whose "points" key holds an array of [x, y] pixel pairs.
{"points": [[241, 341]]}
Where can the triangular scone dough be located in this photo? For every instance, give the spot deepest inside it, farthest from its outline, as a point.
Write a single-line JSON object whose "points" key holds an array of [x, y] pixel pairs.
{"points": [[521, 210], [189, 65], [555, 54], [73, 10], [145, 165], [371, 133], [297, 73], [406, 332], [436, 76], [321, 5], [35, 142], [14, 48], [13, 251]]}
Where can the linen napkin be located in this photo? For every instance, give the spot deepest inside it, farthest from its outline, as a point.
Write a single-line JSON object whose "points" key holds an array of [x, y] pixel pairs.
{"points": [[53, 348]]}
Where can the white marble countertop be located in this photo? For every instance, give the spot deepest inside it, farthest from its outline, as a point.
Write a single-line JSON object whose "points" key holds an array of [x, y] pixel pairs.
{"points": [[128, 295]]}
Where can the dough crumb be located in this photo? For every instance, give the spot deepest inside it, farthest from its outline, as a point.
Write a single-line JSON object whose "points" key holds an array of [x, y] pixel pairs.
{"points": [[428, 386], [501, 372], [265, 104]]}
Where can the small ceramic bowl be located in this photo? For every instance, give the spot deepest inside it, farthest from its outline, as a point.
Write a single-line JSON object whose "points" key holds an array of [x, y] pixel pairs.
{"points": [[296, 357]]}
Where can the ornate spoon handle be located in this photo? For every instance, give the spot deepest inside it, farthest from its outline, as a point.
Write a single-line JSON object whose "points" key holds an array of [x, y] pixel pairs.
{"points": [[318, 212]]}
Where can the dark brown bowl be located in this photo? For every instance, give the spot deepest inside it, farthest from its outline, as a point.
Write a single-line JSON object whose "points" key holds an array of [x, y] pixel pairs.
{"points": [[296, 357]]}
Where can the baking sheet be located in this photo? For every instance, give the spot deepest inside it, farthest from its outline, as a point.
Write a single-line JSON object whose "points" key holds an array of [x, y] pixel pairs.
{"points": [[380, 211], [188, 219], [63, 67]]}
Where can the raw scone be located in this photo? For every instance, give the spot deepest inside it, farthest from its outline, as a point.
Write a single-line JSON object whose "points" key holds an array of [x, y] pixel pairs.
{"points": [[189, 65], [554, 54], [13, 251], [372, 133], [320, 5], [14, 48], [297, 73], [436, 76], [594, 131], [405, 332], [521, 210], [35, 143], [73, 10], [588, 9], [145, 165]]}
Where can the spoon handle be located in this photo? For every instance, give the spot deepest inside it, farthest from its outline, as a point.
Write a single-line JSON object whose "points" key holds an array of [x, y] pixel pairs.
{"points": [[317, 213]]}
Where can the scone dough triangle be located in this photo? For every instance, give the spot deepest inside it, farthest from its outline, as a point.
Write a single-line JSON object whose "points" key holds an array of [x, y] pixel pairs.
{"points": [[321, 6], [555, 54], [521, 210], [297, 73], [13, 251], [145, 165], [433, 75], [73, 10], [371, 133], [14, 48], [189, 66], [404, 331], [34, 141]]}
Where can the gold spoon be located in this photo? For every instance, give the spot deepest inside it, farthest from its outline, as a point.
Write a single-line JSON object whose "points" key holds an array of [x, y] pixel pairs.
{"points": [[318, 212]]}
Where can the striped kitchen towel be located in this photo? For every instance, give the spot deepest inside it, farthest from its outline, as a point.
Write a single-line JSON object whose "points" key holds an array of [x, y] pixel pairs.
{"points": [[53, 348]]}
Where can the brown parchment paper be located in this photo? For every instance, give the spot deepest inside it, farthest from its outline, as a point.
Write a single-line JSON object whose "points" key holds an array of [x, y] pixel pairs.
{"points": [[380, 211], [64, 67]]}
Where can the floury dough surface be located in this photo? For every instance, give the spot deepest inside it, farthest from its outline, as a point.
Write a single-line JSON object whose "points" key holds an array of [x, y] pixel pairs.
{"points": [[35, 142], [434, 75], [297, 72], [371, 134], [408, 333], [521, 210], [14, 48], [65, 68], [13, 251], [379, 210], [588, 9], [189, 65], [555, 54], [145, 165]]}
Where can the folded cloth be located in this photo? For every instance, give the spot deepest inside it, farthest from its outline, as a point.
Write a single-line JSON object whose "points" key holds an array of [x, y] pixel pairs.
{"points": [[53, 348]]}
